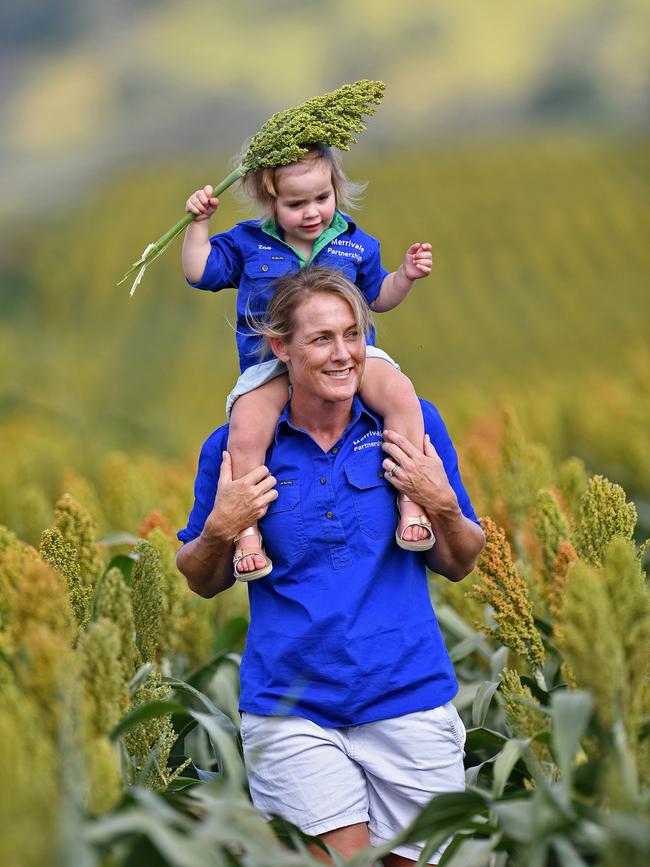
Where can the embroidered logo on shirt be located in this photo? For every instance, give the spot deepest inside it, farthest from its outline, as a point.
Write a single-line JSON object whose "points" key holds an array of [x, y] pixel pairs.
{"points": [[360, 444], [263, 247], [346, 254], [343, 242]]}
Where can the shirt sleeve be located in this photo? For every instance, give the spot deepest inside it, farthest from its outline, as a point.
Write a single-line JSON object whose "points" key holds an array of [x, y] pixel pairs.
{"points": [[441, 441], [224, 265], [205, 485], [371, 273]]}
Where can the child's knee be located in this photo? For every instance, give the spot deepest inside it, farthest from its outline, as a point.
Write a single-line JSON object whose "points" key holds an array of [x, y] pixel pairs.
{"points": [[405, 395], [401, 389], [244, 428]]}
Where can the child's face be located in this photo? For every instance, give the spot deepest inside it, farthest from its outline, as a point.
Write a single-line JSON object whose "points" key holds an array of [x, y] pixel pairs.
{"points": [[306, 200]]}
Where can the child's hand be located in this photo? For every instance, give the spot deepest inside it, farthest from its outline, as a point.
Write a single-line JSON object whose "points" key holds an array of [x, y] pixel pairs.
{"points": [[418, 261], [202, 203]]}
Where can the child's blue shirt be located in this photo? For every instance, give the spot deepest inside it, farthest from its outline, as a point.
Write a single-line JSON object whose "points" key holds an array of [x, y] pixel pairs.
{"points": [[252, 255]]}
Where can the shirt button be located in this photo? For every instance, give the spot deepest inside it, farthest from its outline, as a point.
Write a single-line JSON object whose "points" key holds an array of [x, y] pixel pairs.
{"points": [[265, 267], [329, 515], [323, 480], [380, 474], [334, 450]]}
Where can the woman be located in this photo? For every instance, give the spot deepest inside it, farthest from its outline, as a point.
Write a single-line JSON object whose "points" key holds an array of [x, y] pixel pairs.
{"points": [[346, 685]]}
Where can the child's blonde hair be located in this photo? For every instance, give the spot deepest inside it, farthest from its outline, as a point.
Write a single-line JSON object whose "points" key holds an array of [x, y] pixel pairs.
{"points": [[261, 186]]}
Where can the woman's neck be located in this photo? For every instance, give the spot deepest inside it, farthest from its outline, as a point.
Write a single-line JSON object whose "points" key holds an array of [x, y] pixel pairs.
{"points": [[323, 420]]}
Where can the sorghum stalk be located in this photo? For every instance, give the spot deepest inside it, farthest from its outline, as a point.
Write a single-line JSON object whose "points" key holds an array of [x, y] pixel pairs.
{"points": [[330, 119], [152, 251]]}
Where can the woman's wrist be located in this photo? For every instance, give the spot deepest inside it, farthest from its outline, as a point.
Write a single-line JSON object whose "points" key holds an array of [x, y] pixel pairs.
{"points": [[445, 512], [215, 533]]}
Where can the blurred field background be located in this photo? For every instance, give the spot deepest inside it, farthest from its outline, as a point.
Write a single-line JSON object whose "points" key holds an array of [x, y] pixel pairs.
{"points": [[513, 136]]}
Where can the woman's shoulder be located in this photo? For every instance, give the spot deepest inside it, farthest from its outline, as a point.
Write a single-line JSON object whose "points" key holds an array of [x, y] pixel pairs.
{"points": [[214, 446], [434, 424]]}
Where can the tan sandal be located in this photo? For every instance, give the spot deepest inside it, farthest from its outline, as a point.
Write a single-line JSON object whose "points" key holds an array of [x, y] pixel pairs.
{"points": [[419, 521], [256, 573]]}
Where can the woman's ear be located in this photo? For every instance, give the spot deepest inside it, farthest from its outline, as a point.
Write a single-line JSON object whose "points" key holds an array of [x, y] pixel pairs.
{"points": [[279, 349]]}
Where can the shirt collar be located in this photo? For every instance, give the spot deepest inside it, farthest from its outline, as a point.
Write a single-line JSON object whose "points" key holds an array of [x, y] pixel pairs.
{"points": [[340, 221], [358, 409]]}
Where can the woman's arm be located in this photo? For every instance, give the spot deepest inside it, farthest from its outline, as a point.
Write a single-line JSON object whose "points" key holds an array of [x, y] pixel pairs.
{"points": [[422, 477], [206, 562]]}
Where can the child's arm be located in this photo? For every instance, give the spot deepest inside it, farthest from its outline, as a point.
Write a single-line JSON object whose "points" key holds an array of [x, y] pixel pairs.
{"points": [[396, 286], [196, 244]]}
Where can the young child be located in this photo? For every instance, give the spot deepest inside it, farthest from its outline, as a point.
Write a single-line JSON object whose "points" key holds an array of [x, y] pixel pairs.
{"points": [[303, 225]]}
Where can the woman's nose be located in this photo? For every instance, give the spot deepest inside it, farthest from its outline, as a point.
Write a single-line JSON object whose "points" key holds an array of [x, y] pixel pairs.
{"points": [[340, 348]]}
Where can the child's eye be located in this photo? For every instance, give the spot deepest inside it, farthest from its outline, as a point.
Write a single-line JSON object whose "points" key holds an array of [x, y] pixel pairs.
{"points": [[323, 197]]}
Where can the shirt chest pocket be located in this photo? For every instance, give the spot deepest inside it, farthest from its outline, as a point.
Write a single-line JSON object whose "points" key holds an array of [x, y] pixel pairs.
{"points": [[373, 496], [260, 273], [267, 266], [283, 527]]}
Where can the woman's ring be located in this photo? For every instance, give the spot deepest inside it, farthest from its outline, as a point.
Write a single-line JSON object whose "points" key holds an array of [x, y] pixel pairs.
{"points": [[393, 470]]}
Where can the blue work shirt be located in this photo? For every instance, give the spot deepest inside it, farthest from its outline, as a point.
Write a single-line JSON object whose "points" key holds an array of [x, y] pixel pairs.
{"points": [[252, 255], [342, 631]]}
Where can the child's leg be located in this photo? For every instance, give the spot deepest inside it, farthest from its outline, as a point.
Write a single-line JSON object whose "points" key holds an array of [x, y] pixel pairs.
{"points": [[391, 395], [253, 421]]}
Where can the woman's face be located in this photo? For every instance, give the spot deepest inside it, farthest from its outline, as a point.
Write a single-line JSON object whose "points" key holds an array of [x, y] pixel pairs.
{"points": [[327, 352]]}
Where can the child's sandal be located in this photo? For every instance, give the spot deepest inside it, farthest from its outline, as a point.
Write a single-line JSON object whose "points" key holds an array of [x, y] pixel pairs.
{"points": [[240, 554], [418, 521]]}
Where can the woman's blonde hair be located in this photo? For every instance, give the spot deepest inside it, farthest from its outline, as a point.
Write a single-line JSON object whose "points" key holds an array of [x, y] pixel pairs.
{"points": [[289, 293], [262, 186]]}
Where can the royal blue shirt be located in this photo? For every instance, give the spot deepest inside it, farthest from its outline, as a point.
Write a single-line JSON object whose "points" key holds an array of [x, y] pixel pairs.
{"points": [[251, 256], [342, 631]]}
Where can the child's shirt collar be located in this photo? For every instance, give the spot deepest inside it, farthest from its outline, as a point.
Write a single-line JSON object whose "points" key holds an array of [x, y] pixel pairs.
{"points": [[338, 225]]}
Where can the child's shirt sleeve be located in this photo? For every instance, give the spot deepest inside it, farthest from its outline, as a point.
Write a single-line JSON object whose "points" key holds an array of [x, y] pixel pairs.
{"points": [[371, 273], [205, 485], [225, 263]]}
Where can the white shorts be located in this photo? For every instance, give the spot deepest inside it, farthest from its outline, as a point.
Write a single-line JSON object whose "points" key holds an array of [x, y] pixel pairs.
{"points": [[259, 374], [381, 773]]}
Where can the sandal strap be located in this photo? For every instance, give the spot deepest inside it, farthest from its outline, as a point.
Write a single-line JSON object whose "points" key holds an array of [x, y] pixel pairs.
{"points": [[420, 521], [249, 531]]}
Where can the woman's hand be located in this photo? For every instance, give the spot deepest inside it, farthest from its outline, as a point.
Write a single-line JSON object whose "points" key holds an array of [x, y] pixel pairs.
{"points": [[239, 502], [206, 562], [419, 475], [422, 477]]}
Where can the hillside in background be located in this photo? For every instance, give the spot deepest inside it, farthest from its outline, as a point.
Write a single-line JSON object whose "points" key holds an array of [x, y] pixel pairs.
{"points": [[88, 85]]}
